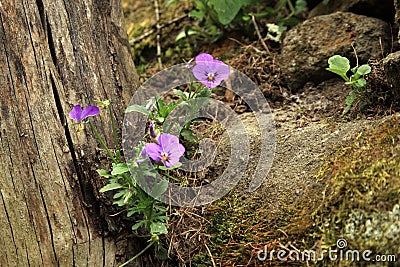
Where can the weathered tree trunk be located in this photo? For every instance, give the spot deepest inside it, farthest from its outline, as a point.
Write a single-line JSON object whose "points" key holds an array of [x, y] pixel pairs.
{"points": [[55, 54]]}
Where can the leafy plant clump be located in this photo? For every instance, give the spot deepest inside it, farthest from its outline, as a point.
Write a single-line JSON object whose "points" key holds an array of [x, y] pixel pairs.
{"points": [[215, 16], [160, 147], [341, 66]]}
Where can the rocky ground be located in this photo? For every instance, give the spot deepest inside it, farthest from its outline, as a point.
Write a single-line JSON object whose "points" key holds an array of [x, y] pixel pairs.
{"points": [[291, 208]]}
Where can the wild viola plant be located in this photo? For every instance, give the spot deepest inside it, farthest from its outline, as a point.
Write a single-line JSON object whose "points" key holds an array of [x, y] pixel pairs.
{"points": [[210, 73], [341, 66], [81, 115], [162, 148], [123, 175]]}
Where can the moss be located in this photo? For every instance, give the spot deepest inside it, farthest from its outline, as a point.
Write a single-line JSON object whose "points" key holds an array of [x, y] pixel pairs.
{"points": [[240, 227], [361, 201]]}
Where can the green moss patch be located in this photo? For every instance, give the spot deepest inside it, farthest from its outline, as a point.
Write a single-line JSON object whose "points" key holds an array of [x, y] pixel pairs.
{"points": [[361, 202]]}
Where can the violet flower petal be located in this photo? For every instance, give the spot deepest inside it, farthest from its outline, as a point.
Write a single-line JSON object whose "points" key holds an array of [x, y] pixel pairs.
{"points": [[152, 132], [209, 71], [164, 140], [204, 57], [90, 111], [154, 151], [176, 154], [144, 156], [76, 113]]}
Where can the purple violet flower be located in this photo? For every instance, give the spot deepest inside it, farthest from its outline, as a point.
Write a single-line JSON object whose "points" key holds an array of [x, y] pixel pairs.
{"points": [[152, 131], [143, 154], [79, 115], [168, 150], [209, 71]]}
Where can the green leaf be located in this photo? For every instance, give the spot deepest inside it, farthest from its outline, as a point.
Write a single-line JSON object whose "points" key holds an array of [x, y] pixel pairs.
{"points": [[347, 109], [339, 65], [163, 168], [188, 135], [301, 5], [205, 92], [127, 196], [170, 2], [119, 168], [350, 99], [246, 18], [103, 173], [360, 83], [119, 202], [119, 194], [158, 228], [227, 9], [196, 14], [159, 119], [139, 109], [149, 173], [184, 34], [110, 187], [162, 253], [275, 32], [159, 188], [364, 69], [138, 225], [181, 94]]}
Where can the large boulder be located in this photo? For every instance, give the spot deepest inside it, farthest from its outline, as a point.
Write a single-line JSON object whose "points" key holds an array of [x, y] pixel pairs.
{"points": [[381, 9], [307, 47]]}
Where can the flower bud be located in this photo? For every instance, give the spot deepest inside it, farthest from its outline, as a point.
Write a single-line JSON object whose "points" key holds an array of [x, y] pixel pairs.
{"points": [[152, 131]]}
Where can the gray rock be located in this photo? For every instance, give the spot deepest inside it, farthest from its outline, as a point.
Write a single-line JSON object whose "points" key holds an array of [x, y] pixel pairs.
{"points": [[391, 65], [381, 9], [307, 47]]}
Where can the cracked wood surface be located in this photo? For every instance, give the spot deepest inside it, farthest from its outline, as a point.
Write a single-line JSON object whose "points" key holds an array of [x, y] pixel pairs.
{"points": [[55, 54]]}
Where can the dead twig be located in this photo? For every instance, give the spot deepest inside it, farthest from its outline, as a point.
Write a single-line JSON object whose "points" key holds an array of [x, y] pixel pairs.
{"points": [[209, 253], [158, 31], [253, 19], [153, 30], [245, 46], [355, 53]]}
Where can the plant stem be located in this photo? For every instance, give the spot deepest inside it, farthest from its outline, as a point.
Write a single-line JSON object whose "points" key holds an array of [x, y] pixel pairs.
{"points": [[140, 253], [96, 133], [116, 140], [169, 176], [209, 132]]}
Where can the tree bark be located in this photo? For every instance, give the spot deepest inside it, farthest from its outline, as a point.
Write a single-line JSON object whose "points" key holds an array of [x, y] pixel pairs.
{"points": [[55, 54]]}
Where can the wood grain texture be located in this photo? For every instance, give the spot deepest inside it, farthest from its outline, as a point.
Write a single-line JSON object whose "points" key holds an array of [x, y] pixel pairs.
{"points": [[55, 54]]}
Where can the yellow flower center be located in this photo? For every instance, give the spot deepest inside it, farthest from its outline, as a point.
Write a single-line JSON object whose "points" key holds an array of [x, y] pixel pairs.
{"points": [[211, 77], [80, 127], [164, 156]]}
